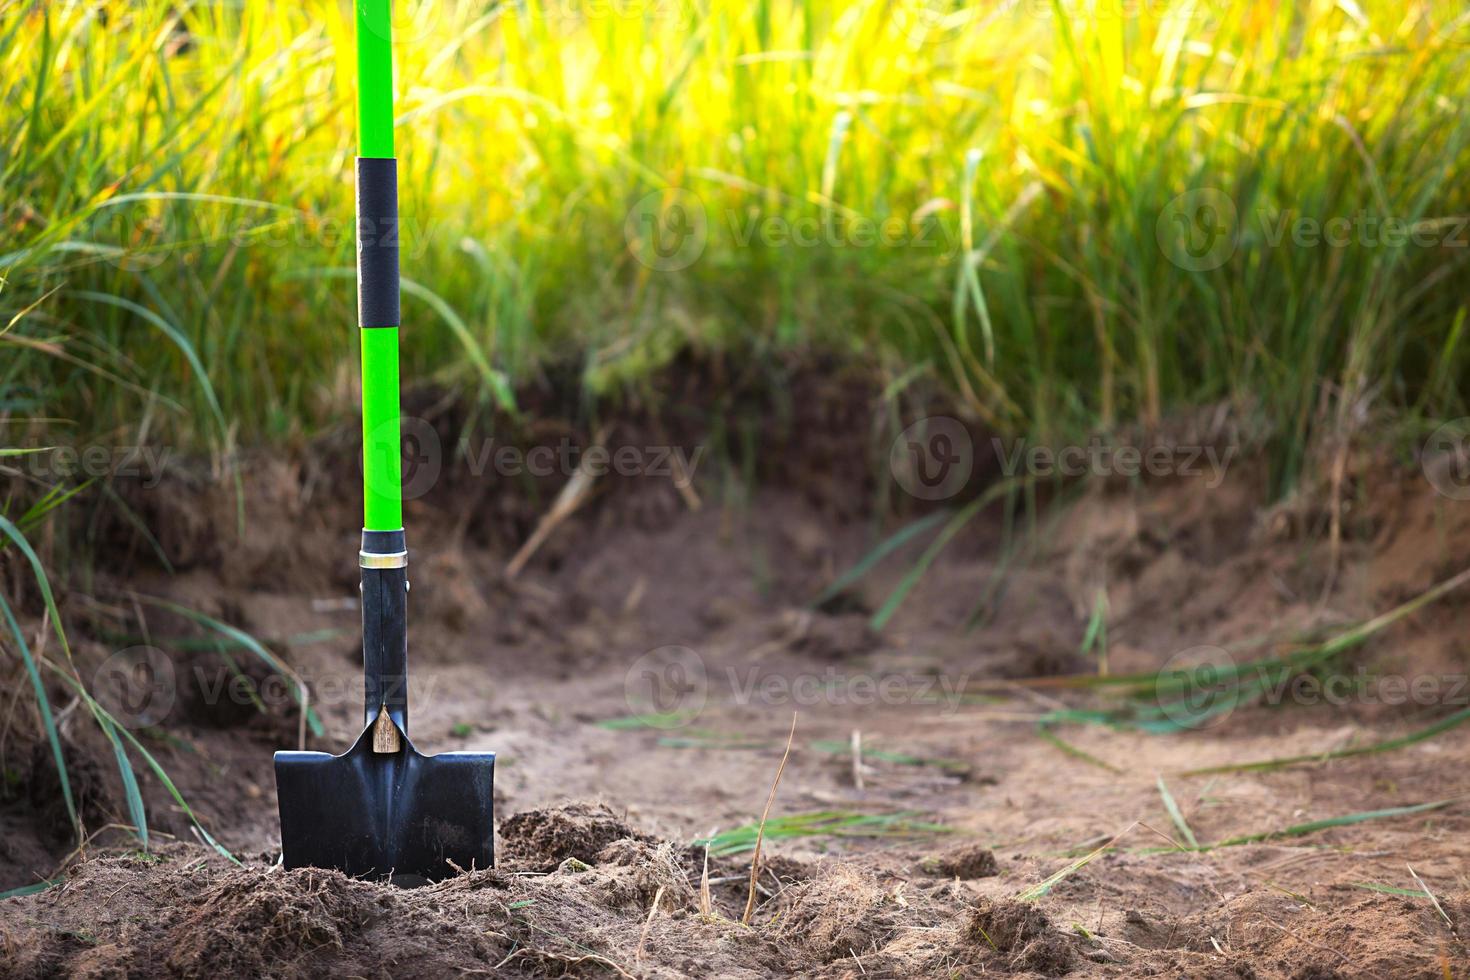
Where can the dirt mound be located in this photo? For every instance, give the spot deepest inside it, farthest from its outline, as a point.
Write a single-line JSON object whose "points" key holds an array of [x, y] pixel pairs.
{"points": [[839, 913], [250, 920], [1022, 933], [635, 873], [540, 840]]}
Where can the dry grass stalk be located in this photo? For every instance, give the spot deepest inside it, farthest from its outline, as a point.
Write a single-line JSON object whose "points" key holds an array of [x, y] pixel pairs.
{"points": [[755, 860]]}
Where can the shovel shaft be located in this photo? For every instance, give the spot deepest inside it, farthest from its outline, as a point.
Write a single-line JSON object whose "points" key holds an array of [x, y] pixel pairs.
{"points": [[374, 78], [384, 555], [377, 269], [384, 560]]}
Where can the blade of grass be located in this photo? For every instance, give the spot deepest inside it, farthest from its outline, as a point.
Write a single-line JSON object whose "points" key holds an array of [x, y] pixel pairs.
{"points": [[48, 720], [1176, 816], [1348, 820], [656, 719], [154, 765], [34, 889], [134, 798], [952, 527], [1097, 632], [1430, 895], [885, 548], [1388, 889], [240, 638], [1047, 735], [822, 823], [1388, 745], [1040, 889], [760, 830]]}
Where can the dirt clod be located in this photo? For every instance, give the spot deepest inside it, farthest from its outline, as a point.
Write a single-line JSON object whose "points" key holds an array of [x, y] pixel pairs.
{"points": [[838, 913], [1021, 932], [1005, 926], [540, 840], [249, 920], [634, 872], [966, 862]]}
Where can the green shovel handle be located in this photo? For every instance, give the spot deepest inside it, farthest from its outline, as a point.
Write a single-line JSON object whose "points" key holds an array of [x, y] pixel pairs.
{"points": [[377, 270]]}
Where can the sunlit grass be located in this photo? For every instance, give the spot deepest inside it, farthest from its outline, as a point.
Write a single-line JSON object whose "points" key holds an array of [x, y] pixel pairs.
{"points": [[986, 190]]}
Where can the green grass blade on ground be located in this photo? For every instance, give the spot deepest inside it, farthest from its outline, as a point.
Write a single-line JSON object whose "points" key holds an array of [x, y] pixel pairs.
{"points": [[1041, 888], [105, 717], [36, 889], [1176, 816], [1445, 724], [654, 719], [1043, 729], [104, 721], [1347, 820], [131, 793], [1182, 699], [822, 824]]}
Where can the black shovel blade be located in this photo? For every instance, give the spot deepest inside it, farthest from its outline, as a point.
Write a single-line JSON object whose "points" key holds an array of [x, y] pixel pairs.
{"points": [[401, 815]]}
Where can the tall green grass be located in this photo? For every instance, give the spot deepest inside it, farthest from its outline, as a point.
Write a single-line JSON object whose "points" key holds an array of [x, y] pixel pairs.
{"points": [[993, 191]]}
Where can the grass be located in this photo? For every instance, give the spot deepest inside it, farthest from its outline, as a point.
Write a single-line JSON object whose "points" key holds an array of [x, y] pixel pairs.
{"points": [[1346, 820], [1190, 696], [1176, 816], [994, 199], [1439, 727], [821, 824]]}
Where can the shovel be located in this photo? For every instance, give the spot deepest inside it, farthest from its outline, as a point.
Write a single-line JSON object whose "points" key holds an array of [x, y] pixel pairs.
{"points": [[383, 810]]}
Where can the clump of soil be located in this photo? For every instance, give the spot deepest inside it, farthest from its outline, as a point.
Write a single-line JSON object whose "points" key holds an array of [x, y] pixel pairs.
{"points": [[838, 913], [1005, 925], [248, 921], [966, 861], [835, 638], [1021, 932], [540, 840], [635, 873]]}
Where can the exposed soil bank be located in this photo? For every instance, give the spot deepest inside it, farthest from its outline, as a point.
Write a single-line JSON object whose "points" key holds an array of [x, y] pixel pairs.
{"points": [[566, 671]]}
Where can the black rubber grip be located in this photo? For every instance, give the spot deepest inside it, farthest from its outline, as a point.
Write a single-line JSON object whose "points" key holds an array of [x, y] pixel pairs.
{"points": [[377, 242]]}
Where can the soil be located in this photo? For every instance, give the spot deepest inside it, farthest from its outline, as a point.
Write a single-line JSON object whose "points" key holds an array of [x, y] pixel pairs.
{"points": [[604, 782]]}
